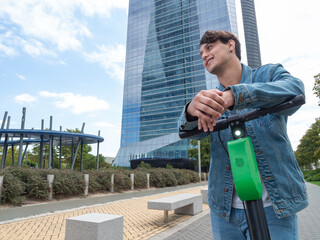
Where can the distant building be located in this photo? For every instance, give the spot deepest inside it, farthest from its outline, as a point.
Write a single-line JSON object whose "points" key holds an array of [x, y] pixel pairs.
{"points": [[164, 71]]}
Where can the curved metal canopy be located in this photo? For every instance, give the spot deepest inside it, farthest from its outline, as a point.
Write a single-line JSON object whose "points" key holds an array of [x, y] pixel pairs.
{"points": [[34, 136]]}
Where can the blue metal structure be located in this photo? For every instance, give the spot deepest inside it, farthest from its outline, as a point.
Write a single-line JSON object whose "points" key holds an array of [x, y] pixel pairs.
{"points": [[43, 137]]}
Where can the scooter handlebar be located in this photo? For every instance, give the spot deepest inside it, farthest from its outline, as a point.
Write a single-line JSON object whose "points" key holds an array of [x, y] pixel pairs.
{"points": [[247, 116]]}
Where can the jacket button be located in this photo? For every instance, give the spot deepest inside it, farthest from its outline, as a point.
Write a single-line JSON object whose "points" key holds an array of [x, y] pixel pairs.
{"points": [[226, 189], [223, 214], [228, 168]]}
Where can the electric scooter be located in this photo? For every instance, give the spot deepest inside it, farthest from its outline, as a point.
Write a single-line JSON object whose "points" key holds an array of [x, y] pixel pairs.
{"points": [[244, 165]]}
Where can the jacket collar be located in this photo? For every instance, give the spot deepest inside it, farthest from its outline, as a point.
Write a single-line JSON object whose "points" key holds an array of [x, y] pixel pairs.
{"points": [[246, 76]]}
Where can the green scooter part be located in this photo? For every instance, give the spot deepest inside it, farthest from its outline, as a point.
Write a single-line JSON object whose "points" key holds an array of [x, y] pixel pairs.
{"points": [[244, 169]]}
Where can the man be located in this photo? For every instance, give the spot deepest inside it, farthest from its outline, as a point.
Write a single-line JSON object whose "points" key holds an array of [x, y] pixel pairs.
{"points": [[243, 89]]}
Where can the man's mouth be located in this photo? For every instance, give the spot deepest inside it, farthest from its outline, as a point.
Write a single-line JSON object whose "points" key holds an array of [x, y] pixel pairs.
{"points": [[208, 61]]}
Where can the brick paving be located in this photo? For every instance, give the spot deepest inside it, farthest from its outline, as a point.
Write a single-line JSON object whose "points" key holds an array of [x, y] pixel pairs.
{"points": [[308, 220], [142, 223], [139, 221]]}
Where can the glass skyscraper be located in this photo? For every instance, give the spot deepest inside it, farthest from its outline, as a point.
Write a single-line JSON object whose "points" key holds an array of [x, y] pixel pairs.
{"points": [[164, 71]]}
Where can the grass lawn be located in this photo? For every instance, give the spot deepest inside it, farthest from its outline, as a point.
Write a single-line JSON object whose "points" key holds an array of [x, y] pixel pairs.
{"points": [[315, 182]]}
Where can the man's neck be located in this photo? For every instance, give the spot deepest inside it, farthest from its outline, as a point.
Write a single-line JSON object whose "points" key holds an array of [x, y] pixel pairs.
{"points": [[232, 74]]}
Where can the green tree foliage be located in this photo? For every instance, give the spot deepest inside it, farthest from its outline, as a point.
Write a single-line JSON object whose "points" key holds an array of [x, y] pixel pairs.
{"points": [[169, 166], [308, 151], [34, 155], [29, 160], [204, 151], [316, 86], [9, 156], [142, 164]]}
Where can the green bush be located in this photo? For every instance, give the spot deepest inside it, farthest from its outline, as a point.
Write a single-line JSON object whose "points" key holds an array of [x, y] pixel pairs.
{"points": [[13, 189], [35, 185], [21, 183], [169, 177], [157, 179], [169, 166], [312, 175], [182, 178], [193, 176], [68, 182], [122, 181], [144, 165], [99, 180], [140, 179], [160, 177]]}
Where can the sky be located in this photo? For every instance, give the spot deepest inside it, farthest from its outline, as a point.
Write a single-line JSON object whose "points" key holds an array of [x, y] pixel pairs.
{"points": [[66, 59]]}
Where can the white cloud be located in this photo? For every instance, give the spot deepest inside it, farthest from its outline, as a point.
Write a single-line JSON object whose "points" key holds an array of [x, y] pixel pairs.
{"points": [[36, 48], [111, 58], [5, 46], [44, 26], [101, 7], [8, 51], [25, 98], [21, 77], [77, 103]]}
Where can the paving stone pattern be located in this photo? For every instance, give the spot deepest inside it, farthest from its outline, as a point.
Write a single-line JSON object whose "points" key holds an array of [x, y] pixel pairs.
{"points": [[308, 220], [141, 223]]}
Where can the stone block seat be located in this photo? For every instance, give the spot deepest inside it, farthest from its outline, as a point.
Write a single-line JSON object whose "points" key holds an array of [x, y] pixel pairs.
{"points": [[94, 226], [204, 193], [185, 203]]}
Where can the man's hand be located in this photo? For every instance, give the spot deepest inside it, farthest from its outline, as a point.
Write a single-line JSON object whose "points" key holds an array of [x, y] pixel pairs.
{"points": [[208, 105]]}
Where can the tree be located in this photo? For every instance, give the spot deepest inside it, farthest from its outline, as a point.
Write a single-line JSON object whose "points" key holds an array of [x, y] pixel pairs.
{"points": [[34, 155], [9, 156], [89, 160], [308, 150], [204, 151], [316, 86]]}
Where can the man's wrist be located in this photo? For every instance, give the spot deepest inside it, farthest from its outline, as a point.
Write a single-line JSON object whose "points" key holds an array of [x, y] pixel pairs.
{"points": [[231, 99], [189, 117]]}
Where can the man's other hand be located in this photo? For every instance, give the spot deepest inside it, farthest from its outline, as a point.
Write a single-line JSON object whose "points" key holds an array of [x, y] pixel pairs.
{"points": [[207, 105]]}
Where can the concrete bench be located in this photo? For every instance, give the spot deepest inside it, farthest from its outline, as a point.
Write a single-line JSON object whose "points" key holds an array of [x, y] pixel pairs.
{"points": [[204, 193], [94, 226], [185, 203]]}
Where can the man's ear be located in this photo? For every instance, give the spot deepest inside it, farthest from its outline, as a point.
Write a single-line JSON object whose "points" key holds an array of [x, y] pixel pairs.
{"points": [[232, 45]]}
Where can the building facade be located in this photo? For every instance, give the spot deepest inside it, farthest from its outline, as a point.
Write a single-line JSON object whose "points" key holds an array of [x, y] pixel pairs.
{"points": [[164, 71]]}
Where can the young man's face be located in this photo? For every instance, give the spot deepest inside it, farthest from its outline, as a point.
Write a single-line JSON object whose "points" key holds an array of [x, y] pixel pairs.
{"points": [[215, 56]]}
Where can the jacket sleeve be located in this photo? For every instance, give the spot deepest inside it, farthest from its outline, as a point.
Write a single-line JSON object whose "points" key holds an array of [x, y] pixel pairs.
{"points": [[280, 87], [185, 125]]}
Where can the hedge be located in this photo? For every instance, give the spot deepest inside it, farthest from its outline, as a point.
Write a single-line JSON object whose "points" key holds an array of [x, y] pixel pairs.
{"points": [[29, 183]]}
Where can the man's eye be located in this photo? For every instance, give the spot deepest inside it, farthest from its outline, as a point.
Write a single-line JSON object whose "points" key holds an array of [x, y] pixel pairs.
{"points": [[209, 47]]}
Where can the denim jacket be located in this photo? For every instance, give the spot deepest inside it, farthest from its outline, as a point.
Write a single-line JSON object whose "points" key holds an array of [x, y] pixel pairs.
{"points": [[263, 87]]}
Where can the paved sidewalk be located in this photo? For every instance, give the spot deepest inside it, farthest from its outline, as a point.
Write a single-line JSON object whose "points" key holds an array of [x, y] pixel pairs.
{"points": [[139, 222], [53, 206], [199, 227]]}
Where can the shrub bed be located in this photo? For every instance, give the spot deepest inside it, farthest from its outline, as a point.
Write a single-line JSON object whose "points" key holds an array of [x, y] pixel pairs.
{"points": [[29, 183], [312, 175]]}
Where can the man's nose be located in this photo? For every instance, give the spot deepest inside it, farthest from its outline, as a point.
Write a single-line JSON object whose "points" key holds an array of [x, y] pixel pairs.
{"points": [[204, 55]]}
